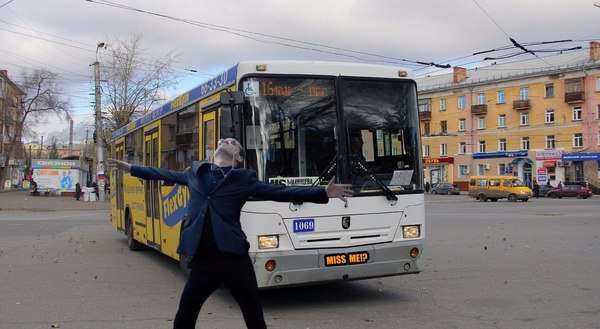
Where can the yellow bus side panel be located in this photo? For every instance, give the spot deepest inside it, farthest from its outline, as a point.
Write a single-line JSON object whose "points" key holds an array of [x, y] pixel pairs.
{"points": [[134, 201], [173, 206]]}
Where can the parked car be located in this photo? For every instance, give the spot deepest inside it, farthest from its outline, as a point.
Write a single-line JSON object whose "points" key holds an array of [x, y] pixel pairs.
{"points": [[576, 191], [544, 189], [445, 188]]}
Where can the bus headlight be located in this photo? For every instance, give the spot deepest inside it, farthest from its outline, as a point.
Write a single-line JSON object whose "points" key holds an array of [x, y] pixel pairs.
{"points": [[411, 231], [268, 241]]}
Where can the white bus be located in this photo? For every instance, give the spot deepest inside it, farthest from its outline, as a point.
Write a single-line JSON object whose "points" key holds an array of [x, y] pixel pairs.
{"points": [[301, 123]]}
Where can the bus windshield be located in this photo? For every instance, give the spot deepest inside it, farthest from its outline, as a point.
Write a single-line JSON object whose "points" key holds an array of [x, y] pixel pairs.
{"points": [[297, 129], [382, 133]]}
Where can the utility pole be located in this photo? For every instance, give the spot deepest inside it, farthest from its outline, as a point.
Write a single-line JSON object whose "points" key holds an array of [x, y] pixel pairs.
{"points": [[71, 138], [100, 151]]}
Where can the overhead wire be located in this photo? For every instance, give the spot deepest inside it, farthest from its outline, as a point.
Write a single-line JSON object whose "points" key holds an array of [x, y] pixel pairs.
{"points": [[295, 43]]}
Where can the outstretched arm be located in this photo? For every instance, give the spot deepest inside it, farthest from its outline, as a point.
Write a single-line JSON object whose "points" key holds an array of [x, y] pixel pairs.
{"points": [[149, 173], [119, 165], [338, 190]]}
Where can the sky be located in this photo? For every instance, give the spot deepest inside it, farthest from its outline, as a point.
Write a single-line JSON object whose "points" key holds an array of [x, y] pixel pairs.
{"points": [[211, 35]]}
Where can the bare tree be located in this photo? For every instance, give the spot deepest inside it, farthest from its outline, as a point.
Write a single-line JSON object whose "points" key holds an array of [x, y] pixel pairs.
{"points": [[43, 97], [131, 83]]}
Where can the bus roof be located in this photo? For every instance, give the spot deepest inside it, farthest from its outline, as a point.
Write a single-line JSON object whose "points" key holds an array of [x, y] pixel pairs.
{"points": [[228, 78], [325, 68]]}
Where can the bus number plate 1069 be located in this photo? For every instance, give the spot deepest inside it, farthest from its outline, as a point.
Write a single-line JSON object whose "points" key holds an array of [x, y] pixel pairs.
{"points": [[304, 225]]}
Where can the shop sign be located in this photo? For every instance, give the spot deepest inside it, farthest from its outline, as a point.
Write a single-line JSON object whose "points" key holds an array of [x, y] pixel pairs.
{"points": [[437, 160], [542, 175], [548, 155], [549, 164], [581, 157]]}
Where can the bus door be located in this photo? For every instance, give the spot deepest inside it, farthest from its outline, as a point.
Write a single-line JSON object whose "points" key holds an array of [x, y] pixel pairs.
{"points": [[209, 134], [117, 202], [152, 190]]}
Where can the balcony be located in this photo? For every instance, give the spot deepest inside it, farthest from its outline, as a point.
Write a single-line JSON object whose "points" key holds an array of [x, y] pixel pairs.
{"points": [[425, 115], [479, 109], [524, 104], [576, 97]]}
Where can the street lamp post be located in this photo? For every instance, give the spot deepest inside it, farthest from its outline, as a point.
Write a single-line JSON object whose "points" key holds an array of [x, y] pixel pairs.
{"points": [[100, 151]]}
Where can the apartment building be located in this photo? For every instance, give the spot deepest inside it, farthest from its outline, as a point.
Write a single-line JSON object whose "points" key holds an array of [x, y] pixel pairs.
{"points": [[537, 119], [11, 154]]}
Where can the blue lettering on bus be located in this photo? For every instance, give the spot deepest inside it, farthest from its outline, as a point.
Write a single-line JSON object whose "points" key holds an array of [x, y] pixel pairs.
{"points": [[175, 204], [220, 81]]}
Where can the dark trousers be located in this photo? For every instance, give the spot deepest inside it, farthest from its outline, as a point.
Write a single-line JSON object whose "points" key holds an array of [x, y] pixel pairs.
{"points": [[237, 274]]}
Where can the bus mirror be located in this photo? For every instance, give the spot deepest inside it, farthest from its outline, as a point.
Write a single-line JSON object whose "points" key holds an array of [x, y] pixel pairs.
{"points": [[232, 98]]}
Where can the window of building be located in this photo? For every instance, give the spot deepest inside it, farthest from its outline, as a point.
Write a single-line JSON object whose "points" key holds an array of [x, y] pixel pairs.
{"points": [[462, 102], [550, 142], [481, 170], [578, 140], [502, 168], [524, 118], [573, 85], [524, 93], [443, 104], [462, 148], [502, 144], [480, 99], [425, 105], [426, 128], [549, 116], [598, 83], [481, 122], [443, 127], [481, 146], [426, 151], [524, 143], [463, 170], [443, 149], [502, 121], [500, 97], [549, 90], [462, 124], [577, 113]]}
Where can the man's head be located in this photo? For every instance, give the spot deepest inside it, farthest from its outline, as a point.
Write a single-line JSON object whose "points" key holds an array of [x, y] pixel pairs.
{"points": [[229, 149]]}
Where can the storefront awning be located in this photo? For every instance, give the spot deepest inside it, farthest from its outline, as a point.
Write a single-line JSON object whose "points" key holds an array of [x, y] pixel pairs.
{"points": [[519, 160]]}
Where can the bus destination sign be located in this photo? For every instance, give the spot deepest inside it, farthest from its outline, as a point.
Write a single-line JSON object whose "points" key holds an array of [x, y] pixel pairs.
{"points": [[271, 88]]}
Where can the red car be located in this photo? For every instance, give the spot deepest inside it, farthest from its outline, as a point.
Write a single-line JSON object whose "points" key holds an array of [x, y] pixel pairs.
{"points": [[577, 191]]}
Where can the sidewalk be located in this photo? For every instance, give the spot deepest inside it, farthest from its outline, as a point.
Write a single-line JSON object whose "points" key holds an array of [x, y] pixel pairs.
{"points": [[22, 200]]}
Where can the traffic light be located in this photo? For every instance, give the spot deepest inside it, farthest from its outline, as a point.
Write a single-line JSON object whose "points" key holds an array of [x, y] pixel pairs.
{"points": [[95, 137]]}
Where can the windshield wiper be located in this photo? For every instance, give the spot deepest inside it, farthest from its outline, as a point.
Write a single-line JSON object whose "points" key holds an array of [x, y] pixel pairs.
{"points": [[327, 170], [359, 167]]}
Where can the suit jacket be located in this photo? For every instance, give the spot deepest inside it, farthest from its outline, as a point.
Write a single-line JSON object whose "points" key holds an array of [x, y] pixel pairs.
{"points": [[224, 202]]}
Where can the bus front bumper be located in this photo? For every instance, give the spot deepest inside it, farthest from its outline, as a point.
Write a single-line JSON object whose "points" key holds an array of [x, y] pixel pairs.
{"points": [[312, 266]]}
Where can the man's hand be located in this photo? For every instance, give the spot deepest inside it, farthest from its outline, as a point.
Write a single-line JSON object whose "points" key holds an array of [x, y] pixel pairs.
{"points": [[338, 190], [119, 165]]}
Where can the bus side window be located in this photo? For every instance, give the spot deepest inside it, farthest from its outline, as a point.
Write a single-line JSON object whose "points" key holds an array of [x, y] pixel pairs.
{"points": [[482, 182], [507, 183]]}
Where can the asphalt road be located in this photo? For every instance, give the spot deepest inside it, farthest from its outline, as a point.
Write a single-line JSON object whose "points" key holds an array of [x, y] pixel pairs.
{"points": [[487, 265]]}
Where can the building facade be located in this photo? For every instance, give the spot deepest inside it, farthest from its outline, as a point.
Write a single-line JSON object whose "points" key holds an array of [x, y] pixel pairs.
{"points": [[11, 154], [536, 119]]}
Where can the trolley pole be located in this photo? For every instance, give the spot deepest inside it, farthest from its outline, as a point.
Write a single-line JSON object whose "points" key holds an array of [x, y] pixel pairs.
{"points": [[100, 151]]}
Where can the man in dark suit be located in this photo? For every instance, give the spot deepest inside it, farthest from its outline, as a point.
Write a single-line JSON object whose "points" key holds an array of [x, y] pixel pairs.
{"points": [[212, 234]]}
